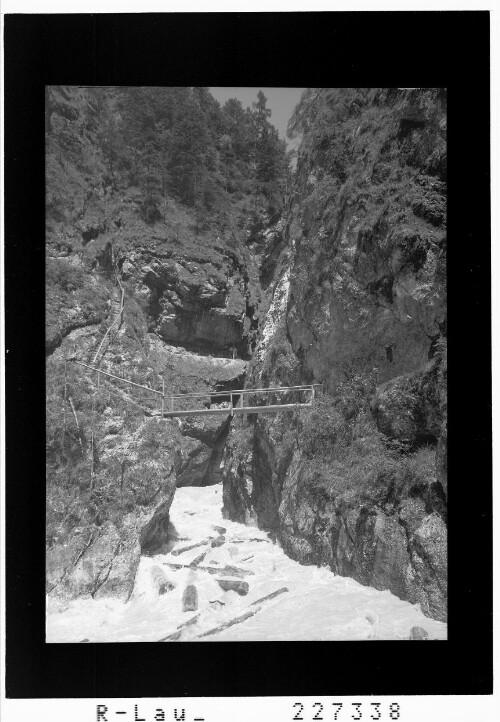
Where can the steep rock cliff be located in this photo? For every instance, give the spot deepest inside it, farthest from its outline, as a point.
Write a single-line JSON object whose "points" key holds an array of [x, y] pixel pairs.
{"points": [[357, 303], [191, 303]]}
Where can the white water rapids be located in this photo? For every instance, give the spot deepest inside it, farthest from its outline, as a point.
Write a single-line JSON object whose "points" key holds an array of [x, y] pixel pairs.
{"points": [[317, 606]]}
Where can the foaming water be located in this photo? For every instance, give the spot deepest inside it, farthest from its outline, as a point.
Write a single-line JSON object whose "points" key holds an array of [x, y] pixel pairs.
{"points": [[318, 605]]}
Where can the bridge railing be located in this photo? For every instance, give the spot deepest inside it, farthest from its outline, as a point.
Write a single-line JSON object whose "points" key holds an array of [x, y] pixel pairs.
{"points": [[165, 403]]}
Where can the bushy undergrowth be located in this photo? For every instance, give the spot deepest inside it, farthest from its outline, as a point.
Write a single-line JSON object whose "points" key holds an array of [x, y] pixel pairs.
{"points": [[71, 298], [64, 274], [349, 459]]}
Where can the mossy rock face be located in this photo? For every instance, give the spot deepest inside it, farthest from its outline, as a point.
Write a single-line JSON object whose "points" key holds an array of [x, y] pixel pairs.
{"points": [[407, 408]]}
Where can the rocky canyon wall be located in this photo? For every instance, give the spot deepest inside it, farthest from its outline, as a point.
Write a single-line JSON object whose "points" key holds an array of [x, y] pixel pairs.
{"points": [[358, 304]]}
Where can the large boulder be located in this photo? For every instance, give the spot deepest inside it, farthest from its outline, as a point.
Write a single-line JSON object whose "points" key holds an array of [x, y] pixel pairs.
{"points": [[99, 564], [407, 408], [102, 561], [158, 531]]}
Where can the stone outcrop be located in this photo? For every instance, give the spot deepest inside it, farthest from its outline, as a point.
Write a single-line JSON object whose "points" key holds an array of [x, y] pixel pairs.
{"points": [[102, 561], [397, 546], [356, 284], [202, 301], [408, 408], [203, 464], [157, 532]]}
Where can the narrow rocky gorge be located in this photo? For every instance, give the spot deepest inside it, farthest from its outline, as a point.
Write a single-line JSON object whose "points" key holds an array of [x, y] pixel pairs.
{"points": [[341, 284], [358, 305]]}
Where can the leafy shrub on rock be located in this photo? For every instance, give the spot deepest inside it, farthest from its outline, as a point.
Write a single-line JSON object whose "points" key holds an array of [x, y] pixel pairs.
{"points": [[349, 459], [63, 274]]}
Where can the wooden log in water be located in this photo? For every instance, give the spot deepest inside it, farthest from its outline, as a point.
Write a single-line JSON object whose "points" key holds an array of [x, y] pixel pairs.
{"points": [[266, 541], [176, 552], [190, 622], [227, 571], [236, 620], [234, 585], [198, 559], [218, 542], [160, 581], [271, 596], [231, 571], [220, 530], [171, 637], [190, 599]]}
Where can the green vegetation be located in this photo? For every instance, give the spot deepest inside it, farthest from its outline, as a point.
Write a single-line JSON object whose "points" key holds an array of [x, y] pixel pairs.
{"points": [[380, 154], [72, 300], [164, 143], [349, 459]]}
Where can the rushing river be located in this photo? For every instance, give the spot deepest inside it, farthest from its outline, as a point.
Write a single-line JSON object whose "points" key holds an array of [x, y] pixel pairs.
{"points": [[318, 605]]}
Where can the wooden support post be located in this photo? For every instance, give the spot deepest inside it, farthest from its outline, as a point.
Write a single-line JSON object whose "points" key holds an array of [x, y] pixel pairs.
{"points": [[231, 403], [172, 403], [242, 400]]}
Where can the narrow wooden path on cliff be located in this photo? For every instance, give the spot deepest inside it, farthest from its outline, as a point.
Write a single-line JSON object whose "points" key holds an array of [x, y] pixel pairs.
{"points": [[235, 401]]}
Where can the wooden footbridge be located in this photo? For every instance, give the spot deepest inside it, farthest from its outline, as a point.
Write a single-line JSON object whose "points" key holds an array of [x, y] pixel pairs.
{"points": [[231, 402]]}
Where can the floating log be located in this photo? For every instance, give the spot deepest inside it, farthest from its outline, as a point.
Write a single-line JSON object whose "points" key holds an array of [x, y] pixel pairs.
{"points": [[218, 542], [236, 620], [190, 599], [220, 529], [227, 571], [189, 622], [176, 552], [233, 585], [198, 559], [231, 571], [271, 596], [171, 637], [160, 581]]}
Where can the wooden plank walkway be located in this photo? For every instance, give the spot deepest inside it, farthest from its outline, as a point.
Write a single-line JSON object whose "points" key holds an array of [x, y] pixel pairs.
{"points": [[206, 401]]}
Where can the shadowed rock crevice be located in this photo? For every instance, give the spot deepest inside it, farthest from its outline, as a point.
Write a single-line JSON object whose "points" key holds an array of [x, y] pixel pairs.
{"points": [[202, 468]]}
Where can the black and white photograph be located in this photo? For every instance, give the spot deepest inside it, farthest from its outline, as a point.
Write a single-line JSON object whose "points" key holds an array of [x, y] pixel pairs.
{"points": [[229, 416], [246, 364]]}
